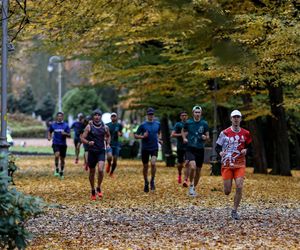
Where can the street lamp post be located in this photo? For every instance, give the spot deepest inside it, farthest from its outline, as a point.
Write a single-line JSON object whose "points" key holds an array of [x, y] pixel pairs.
{"points": [[53, 60], [3, 140]]}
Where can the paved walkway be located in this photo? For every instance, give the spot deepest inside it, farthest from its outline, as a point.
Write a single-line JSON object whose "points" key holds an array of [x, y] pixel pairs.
{"points": [[36, 142]]}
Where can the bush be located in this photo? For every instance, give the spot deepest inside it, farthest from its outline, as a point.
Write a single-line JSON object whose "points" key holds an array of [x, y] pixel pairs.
{"points": [[29, 132], [15, 210]]}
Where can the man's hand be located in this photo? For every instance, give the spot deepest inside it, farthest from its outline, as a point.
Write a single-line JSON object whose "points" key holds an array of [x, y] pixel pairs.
{"points": [[244, 151], [64, 133], [185, 140], [91, 143], [49, 138], [146, 134], [222, 153]]}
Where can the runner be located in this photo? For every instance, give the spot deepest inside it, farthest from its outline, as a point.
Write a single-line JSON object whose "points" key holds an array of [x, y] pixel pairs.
{"points": [[78, 128], [194, 134], [181, 148], [61, 131], [232, 145], [149, 132], [95, 134], [115, 130]]}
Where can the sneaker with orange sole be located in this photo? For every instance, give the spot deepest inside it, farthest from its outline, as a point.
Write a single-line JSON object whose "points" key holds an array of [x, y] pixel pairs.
{"points": [[93, 197], [111, 175], [100, 195]]}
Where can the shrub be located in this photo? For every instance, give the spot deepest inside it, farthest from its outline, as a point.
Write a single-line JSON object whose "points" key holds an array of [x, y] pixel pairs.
{"points": [[29, 132], [15, 210]]}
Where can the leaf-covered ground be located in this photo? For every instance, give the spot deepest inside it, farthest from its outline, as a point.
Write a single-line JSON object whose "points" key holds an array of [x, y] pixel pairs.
{"points": [[127, 218]]}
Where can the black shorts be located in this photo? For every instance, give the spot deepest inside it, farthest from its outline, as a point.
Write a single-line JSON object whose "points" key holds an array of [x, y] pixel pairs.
{"points": [[180, 155], [195, 154], [62, 149], [77, 141], [147, 153], [94, 157], [86, 147]]}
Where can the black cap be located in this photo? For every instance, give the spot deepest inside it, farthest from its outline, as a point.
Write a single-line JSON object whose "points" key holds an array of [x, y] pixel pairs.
{"points": [[150, 111], [96, 112]]}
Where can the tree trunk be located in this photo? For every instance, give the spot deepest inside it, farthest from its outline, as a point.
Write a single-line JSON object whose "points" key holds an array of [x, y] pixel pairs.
{"points": [[166, 146], [223, 117], [259, 152], [280, 133]]}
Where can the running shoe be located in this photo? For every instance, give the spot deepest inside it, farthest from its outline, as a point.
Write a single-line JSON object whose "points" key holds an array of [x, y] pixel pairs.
{"points": [[146, 187], [100, 194], [185, 183], [152, 185], [61, 175], [179, 179], [111, 175], [107, 168], [192, 191], [56, 173], [235, 215], [93, 197]]}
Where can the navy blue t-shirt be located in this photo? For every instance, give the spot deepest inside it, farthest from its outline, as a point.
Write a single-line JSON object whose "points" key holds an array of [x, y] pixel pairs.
{"points": [[151, 142], [56, 128], [78, 128]]}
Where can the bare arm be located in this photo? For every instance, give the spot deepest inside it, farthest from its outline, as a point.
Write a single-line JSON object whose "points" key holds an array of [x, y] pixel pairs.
{"points": [[49, 136], [174, 134], [84, 135], [107, 135], [184, 135]]}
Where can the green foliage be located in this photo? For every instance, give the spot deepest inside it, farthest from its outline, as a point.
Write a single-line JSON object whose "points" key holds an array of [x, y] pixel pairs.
{"points": [[25, 126], [46, 107], [15, 210], [82, 100], [12, 103], [27, 102]]}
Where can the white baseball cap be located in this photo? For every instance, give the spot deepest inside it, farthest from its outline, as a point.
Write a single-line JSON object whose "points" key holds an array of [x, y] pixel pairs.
{"points": [[235, 113], [197, 107], [113, 114]]}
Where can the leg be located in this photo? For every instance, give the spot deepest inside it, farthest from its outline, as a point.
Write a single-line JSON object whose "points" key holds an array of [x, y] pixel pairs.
{"points": [[56, 160], [77, 151], [92, 178], [100, 175], [109, 159], [114, 165], [153, 172], [197, 176], [227, 186], [145, 172], [145, 160], [239, 182], [192, 166], [186, 173], [62, 165]]}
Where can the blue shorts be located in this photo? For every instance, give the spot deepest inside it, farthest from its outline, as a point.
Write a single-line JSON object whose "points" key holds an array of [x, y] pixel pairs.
{"points": [[114, 150], [94, 157]]}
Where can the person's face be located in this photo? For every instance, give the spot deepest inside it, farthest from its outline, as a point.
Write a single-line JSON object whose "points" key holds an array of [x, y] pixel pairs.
{"points": [[60, 117], [197, 114], [183, 117], [150, 117], [97, 118], [236, 120], [113, 118]]}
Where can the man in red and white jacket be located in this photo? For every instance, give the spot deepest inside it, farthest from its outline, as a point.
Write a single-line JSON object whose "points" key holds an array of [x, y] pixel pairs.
{"points": [[232, 145]]}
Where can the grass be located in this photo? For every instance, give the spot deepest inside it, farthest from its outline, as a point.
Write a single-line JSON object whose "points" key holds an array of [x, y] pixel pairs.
{"points": [[127, 218]]}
